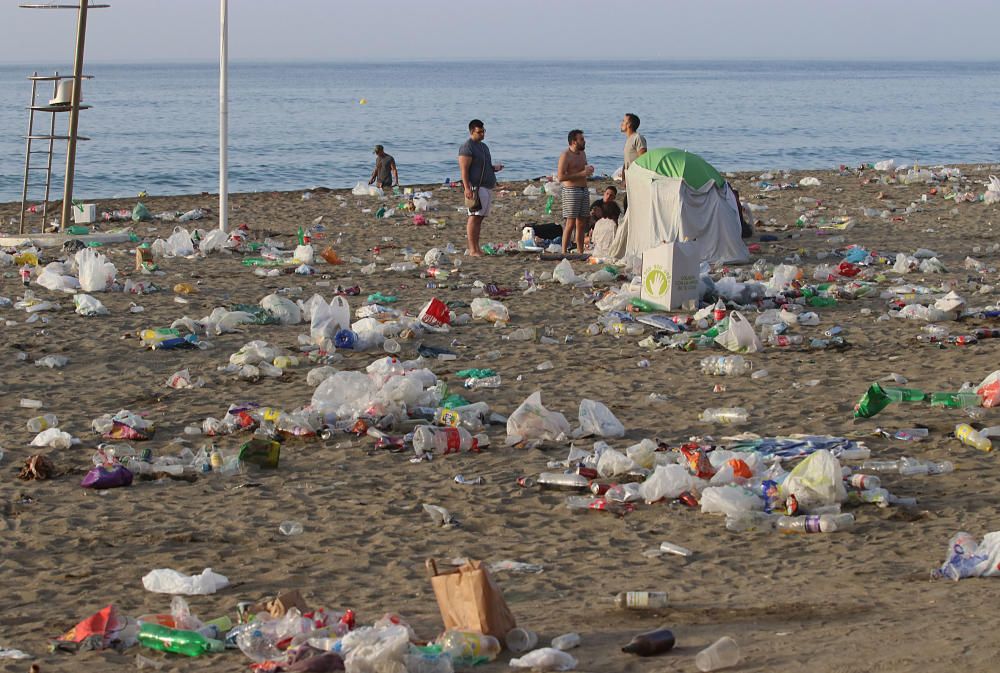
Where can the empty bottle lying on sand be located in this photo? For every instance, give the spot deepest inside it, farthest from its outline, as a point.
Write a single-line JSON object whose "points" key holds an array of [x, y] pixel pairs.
{"points": [[43, 422], [641, 600], [908, 466], [472, 417], [651, 643], [725, 365], [561, 480], [725, 415], [190, 643], [428, 439], [969, 436], [750, 520], [469, 648], [824, 523]]}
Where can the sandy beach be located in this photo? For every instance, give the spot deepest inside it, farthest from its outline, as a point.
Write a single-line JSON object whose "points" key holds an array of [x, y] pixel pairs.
{"points": [[853, 601]]}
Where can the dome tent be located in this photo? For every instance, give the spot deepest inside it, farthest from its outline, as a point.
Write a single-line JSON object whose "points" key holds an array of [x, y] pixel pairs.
{"points": [[674, 195]]}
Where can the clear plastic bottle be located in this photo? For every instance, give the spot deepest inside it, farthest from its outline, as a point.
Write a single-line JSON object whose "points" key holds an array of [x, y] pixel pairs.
{"points": [[745, 521], [864, 482], [43, 422], [472, 417], [641, 600], [520, 334], [428, 439], [782, 340], [824, 523], [725, 365], [561, 480], [257, 641], [567, 641], [725, 415], [484, 382]]}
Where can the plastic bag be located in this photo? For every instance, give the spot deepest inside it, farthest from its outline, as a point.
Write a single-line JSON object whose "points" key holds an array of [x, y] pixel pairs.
{"points": [[212, 241], [612, 463], [53, 438], [285, 310], [167, 581], [533, 422], [303, 254], [327, 319], [816, 481], [739, 336], [140, 213], [53, 278], [101, 477], [89, 306], [564, 273], [97, 274], [179, 244], [730, 500], [597, 419], [667, 481], [545, 659], [489, 309]]}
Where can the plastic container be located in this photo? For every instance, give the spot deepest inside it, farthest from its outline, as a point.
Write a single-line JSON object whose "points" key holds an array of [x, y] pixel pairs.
{"points": [[43, 422], [725, 415], [641, 600], [723, 653], [189, 643]]}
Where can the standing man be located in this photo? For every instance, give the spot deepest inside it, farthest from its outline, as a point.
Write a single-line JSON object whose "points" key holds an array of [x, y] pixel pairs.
{"points": [[478, 178], [572, 173], [635, 146], [385, 169]]}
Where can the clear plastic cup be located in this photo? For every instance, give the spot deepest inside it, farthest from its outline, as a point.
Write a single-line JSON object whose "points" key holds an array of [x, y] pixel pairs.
{"points": [[521, 640], [390, 346], [290, 528], [723, 653]]}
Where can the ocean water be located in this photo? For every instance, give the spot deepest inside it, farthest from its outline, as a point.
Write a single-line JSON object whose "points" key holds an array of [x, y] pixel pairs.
{"points": [[294, 126]]}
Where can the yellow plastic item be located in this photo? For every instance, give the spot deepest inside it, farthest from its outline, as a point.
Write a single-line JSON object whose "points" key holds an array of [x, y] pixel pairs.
{"points": [[969, 436], [185, 288]]}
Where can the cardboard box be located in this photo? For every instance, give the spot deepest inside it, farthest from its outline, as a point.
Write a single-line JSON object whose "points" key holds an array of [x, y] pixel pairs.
{"points": [[670, 275], [85, 214]]}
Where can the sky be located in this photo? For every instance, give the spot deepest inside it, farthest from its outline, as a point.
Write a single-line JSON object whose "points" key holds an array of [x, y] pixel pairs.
{"points": [[167, 31]]}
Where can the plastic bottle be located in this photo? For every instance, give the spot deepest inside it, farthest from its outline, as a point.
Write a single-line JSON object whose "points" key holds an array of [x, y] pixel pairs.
{"points": [[469, 648], [567, 641], [641, 600], [725, 415], [256, 641], [651, 643], [969, 436], [43, 422], [286, 361], [824, 523], [190, 643], [345, 339], [520, 334], [428, 439], [958, 400], [904, 394], [485, 382], [561, 480], [750, 520], [782, 340], [864, 482], [627, 328], [472, 417], [725, 365]]}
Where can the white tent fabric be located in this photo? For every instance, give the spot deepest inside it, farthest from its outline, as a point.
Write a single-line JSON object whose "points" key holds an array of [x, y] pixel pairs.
{"points": [[662, 209]]}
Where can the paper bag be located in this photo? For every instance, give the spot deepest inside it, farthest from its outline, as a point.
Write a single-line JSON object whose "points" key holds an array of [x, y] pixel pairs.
{"points": [[469, 600], [670, 274]]}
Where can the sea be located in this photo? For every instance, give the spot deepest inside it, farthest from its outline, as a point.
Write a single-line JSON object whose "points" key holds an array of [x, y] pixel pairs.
{"points": [[294, 126]]}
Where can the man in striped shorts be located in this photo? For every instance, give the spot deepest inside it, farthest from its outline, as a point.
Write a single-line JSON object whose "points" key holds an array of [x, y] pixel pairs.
{"points": [[573, 172]]}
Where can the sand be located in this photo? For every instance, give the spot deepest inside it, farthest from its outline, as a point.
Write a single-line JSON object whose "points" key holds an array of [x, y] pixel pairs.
{"points": [[853, 601]]}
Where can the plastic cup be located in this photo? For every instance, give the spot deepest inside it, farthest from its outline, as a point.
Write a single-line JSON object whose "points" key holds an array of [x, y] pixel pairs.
{"points": [[521, 640], [290, 528], [723, 653], [390, 346]]}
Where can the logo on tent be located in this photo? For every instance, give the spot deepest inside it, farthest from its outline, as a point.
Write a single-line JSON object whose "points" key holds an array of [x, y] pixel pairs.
{"points": [[657, 281]]}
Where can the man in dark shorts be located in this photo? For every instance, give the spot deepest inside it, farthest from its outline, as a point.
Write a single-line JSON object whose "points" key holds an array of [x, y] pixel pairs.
{"points": [[572, 173], [385, 169]]}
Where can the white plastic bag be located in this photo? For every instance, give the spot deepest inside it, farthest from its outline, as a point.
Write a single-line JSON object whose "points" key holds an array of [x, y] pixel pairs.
{"points": [[327, 319], [597, 419], [89, 306], [612, 463], [53, 438], [739, 336], [97, 274], [533, 422], [489, 309], [667, 481], [303, 254], [167, 581], [729, 500], [212, 241], [285, 310], [180, 244], [816, 481], [564, 273], [545, 659]]}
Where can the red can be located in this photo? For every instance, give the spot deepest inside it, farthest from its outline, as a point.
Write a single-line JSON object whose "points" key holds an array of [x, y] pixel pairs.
{"points": [[599, 489], [588, 472], [526, 482], [688, 499]]}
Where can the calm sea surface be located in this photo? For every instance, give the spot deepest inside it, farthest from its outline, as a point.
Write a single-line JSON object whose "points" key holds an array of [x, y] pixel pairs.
{"points": [[294, 126]]}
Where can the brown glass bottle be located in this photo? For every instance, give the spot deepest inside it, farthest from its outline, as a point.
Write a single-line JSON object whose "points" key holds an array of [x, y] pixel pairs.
{"points": [[651, 643]]}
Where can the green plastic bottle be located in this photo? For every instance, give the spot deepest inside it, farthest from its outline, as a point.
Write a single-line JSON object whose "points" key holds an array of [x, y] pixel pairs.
{"points": [[956, 400], [904, 394], [189, 643], [548, 205], [822, 301]]}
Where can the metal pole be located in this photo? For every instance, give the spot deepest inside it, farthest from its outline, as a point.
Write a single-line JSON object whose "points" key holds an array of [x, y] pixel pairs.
{"points": [[223, 116], [74, 115]]}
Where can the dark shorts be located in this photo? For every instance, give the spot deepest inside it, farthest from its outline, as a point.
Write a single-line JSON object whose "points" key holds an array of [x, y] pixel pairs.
{"points": [[385, 184], [575, 202]]}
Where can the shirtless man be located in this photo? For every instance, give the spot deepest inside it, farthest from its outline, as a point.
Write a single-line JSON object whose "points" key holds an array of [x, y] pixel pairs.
{"points": [[573, 172]]}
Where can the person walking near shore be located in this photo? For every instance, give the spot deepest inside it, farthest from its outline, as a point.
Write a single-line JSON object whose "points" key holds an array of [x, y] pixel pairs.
{"points": [[385, 169], [635, 147], [572, 173], [478, 180]]}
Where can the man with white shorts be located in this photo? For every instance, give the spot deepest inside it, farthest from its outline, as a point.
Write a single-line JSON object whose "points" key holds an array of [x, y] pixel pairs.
{"points": [[478, 176], [572, 173]]}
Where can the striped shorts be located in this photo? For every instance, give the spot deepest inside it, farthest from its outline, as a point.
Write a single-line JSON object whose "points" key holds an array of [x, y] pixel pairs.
{"points": [[575, 202]]}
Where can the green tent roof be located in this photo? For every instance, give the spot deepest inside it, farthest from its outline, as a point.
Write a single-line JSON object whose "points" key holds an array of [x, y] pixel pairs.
{"points": [[675, 163]]}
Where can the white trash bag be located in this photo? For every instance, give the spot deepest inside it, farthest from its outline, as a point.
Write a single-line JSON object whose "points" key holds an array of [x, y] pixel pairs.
{"points": [[815, 482], [285, 310], [739, 336], [545, 659], [533, 422], [180, 244], [89, 306], [597, 419], [167, 581], [96, 273]]}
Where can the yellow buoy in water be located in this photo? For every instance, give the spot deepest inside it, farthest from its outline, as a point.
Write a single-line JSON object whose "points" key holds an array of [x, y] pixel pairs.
{"points": [[363, 101]]}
